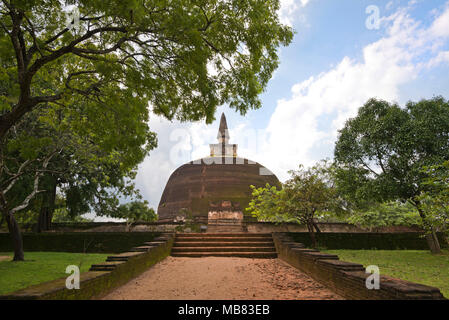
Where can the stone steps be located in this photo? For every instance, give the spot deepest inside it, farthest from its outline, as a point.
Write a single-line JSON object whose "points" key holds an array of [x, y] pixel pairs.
{"points": [[106, 266], [226, 234], [222, 239], [224, 249], [212, 228], [254, 255], [113, 261], [244, 245], [123, 256], [223, 244]]}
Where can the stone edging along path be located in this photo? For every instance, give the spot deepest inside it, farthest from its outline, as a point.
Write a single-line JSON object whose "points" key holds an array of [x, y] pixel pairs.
{"points": [[346, 278], [101, 278]]}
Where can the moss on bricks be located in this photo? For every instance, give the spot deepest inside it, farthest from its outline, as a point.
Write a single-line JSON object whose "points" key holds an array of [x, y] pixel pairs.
{"points": [[349, 279], [95, 284]]}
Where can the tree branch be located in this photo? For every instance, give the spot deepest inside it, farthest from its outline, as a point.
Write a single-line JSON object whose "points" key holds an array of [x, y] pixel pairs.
{"points": [[36, 190], [12, 181]]}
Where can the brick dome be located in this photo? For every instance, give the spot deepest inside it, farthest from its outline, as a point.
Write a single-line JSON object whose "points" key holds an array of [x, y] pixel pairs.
{"points": [[196, 185], [200, 185]]}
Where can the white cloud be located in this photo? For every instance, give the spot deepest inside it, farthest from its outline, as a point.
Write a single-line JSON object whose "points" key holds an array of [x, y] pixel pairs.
{"points": [[300, 128], [441, 58], [389, 5], [440, 27], [178, 143], [289, 9]]}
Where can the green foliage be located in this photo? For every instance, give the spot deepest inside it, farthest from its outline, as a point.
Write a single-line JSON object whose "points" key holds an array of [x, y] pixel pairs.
{"points": [[136, 211], [90, 175], [308, 194], [435, 201], [265, 204], [80, 96], [386, 214], [381, 152], [368, 240], [185, 58], [63, 215], [90, 242], [28, 217]]}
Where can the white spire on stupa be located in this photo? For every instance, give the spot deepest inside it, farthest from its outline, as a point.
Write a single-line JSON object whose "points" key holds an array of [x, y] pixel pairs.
{"points": [[223, 148]]}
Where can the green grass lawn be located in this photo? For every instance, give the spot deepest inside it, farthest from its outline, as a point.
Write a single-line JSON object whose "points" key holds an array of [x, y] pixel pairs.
{"points": [[40, 267], [413, 265]]}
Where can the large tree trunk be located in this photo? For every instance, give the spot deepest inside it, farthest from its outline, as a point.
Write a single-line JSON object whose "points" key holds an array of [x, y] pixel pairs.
{"points": [[431, 236], [16, 236], [433, 242], [316, 227], [47, 208]]}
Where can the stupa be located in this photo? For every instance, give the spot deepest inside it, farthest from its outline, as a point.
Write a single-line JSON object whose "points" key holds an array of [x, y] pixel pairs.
{"points": [[213, 186]]}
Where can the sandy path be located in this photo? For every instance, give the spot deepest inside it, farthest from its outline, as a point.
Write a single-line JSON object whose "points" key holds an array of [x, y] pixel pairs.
{"points": [[222, 279]]}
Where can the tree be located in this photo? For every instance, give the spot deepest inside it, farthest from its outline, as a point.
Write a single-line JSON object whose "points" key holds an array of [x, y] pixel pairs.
{"points": [[136, 211], [265, 204], [184, 57], [308, 194], [62, 215], [385, 214], [92, 163], [381, 152], [435, 200], [20, 172]]}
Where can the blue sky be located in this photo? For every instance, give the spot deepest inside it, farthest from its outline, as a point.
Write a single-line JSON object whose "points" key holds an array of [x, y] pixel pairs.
{"points": [[334, 64], [327, 31]]}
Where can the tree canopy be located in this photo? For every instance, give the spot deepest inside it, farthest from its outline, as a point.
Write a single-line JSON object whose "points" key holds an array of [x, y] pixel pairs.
{"points": [[135, 211], [384, 148], [382, 151], [185, 58], [308, 194], [74, 98], [435, 200], [386, 214]]}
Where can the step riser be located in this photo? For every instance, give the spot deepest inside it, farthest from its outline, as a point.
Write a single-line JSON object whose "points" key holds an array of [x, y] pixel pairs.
{"points": [[224, 244], [253, 255], [225, 234], [222, 239], [224, 249], [222, 230], [102, 267], [116, 259]]}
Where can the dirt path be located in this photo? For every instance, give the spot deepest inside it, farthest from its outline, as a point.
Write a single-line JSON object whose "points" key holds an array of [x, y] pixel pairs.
{"points": [[222, 279]]}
